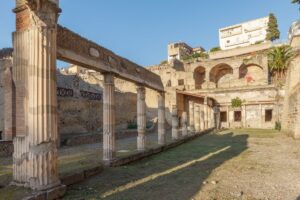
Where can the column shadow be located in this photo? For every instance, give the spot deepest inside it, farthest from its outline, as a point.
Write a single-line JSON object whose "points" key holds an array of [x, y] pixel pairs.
{"points": [[176, 174]]}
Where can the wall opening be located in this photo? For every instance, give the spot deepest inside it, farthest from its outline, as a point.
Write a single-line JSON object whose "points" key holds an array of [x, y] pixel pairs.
{"points": [[268, 115], [199, 77], [180, 82], [223, 116], [237, 116]]}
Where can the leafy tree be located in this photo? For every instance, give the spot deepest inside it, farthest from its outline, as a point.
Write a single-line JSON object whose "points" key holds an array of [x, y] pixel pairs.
{"points": [[273, 32], [279, 59], [296, 1]]}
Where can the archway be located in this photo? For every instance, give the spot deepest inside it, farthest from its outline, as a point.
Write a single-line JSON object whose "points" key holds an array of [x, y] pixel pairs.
{"points": [[221, 75], [199, 77], [253, 74]]}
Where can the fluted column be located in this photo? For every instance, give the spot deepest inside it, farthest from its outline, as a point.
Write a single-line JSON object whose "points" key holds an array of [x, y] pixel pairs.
{"points": [[184, 120], [175, 135], [35, 158], [9, 104], [161, 119], [197, 118], [109, 143], [141, 118], [191, 116]]}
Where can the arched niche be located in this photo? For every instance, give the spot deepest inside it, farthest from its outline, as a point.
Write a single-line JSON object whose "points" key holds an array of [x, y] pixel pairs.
{"points": [[221, 75], [252, 74], [199, 77]]}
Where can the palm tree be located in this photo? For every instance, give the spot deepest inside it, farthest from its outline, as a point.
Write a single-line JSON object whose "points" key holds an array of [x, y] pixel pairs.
{"points": [[279, 58], [296, 1]]}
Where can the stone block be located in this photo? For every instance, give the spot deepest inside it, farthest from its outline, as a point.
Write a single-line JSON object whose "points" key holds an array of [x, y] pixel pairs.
{"points": [[73, 179], [92, 172], [56, 193]]}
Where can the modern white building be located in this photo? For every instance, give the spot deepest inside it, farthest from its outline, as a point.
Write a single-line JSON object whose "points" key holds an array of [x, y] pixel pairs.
{"points": [[243, 34]]}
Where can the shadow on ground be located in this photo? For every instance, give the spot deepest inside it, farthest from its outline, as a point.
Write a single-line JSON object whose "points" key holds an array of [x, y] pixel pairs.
{"points": [[176, 174]]}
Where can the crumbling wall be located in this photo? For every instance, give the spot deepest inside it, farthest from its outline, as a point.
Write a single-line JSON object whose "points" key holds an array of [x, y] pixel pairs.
{"points": [[291, 116]]}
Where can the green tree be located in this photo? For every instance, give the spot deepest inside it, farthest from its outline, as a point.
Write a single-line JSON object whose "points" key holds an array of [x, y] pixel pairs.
{"points": [[273, 32], [279, 58]]}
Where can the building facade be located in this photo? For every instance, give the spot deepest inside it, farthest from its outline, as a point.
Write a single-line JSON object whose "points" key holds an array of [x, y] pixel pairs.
{"points": [[243, 34]]}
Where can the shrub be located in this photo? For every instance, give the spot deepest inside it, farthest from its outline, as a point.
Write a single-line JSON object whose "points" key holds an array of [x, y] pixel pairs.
{"points": [[278, 126], [236, 102], [214, 49]]}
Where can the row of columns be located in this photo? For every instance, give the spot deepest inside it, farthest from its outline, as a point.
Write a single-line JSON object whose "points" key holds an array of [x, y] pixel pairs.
{"points": [[35, 158], [200, 117], [109, 146]]}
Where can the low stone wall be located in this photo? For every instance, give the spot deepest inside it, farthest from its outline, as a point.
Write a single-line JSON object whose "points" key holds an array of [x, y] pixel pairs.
{"points": [[153, 151], [6, 148]]}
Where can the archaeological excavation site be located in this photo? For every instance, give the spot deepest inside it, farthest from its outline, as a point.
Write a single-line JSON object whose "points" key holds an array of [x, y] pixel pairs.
{"points": [[222, 123]]}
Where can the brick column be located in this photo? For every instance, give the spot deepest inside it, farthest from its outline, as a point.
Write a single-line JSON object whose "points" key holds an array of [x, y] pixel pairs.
{"points": [[9, 103], [141, 118], [161, 119], [109, 143], [197, 118], [35, 156], [191, 116], [175, 135], [184, 120]]}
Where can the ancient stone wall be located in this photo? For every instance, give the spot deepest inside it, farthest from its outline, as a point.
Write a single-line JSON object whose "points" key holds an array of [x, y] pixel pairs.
{"points": [[1, 97], [291, 116]]}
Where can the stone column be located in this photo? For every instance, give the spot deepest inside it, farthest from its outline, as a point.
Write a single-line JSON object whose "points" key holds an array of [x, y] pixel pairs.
{"points": [[35, 156], [244, 111], [208, 117], [9, 104], [175, 135], [141, 117], [191, 116], [227, 112], [201, 117], [197, 118], [161, 119], [261, 115], [205, 114], [184, 120], [109, 140]]}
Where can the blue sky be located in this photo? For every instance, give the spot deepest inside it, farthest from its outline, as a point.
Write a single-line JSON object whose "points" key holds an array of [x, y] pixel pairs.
{"points": [[141, 29]]}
